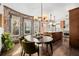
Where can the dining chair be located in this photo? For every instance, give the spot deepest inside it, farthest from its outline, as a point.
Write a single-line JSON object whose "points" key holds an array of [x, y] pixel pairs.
{"points": [[28, 47]]}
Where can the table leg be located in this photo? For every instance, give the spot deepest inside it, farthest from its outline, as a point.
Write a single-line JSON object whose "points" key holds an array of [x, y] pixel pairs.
{"points": [[47, 47], [51, 47]]}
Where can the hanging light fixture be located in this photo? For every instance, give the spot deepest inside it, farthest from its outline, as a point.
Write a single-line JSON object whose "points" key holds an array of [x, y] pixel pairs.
{"points": [[41, 19]]}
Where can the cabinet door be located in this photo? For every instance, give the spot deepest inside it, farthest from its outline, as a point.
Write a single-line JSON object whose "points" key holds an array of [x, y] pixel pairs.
{"points": [[74, 27]]}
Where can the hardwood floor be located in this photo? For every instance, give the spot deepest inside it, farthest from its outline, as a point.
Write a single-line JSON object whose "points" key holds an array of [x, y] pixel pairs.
{"points": [[59, 49]]}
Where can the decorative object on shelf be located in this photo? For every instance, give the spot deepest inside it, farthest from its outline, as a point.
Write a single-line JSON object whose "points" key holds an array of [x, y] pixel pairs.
{"points": [[7, 41]]}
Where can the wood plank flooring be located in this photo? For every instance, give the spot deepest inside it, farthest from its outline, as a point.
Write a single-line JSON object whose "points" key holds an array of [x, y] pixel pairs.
{"points": [[59, 49]]}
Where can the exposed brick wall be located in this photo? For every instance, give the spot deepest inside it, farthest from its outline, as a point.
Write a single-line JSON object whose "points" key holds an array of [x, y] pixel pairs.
{"points": [[7, 21]]}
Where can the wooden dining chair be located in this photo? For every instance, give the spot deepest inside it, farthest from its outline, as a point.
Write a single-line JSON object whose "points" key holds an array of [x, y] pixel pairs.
{"points": [[28, 47]]}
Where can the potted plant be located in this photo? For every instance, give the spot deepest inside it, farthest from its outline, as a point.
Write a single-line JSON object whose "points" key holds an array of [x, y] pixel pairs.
{"points": [[7, 41]]}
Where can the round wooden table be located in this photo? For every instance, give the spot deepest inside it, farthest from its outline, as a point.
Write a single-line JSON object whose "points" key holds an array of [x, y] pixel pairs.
{"points": [[43, 40]]}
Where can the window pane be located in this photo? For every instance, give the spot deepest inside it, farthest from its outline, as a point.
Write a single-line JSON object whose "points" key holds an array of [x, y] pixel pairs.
{"points": [[27, 26], [36, 27]]}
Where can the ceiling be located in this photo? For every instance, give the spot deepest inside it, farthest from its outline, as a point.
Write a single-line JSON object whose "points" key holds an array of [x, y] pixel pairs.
{"points": [[59, 10]]}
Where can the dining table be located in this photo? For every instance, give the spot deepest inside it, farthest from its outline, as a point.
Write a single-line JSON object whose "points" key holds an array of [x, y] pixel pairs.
{"points": [[47, 40]]}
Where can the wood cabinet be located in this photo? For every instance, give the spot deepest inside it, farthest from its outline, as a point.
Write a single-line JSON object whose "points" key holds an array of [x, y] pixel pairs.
{"points": [[74, 27], [55, 35]]}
